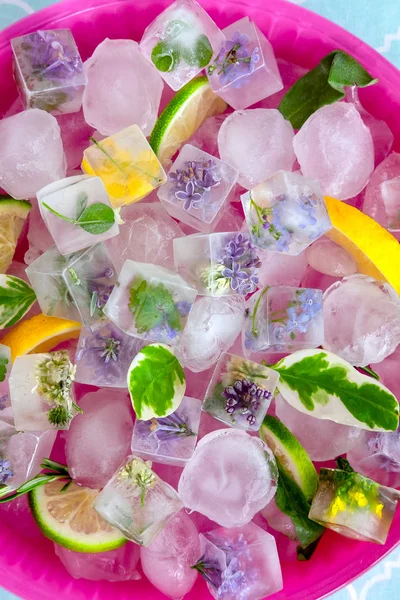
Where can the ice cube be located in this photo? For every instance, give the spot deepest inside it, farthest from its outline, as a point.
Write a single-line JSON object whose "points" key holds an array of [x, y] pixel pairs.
{"points": [[39, 237], [230, 477], [282, 269], [315, 279], [257, 142], [279, 521], [240, 392], [150, 302], [289, 73], [98, 442], [103, 357], [241, 562], [21, 453], [127, 165], [245, 69], [198, 188], [390, 191], [354, 506], [180, 42], [205, 137], [286, 213], [146, 236], [75, 134], [115, 565], [377, 455], [168, 560], [218, 264], [212, 327], [122, 88], [41, 391], [70, 197], [374, 204], [48, 71], [331, 259], [362, 319], [75, 286], [5, 368], [31, 153], [169, 440], [137, 502], [335, 147], [283, 319], [321, 438], [388, 371]]}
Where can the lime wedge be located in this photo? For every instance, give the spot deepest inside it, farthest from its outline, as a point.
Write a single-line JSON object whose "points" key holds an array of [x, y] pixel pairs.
{"points": [[12, 218], [192, 105], [291, 455], [69, 519]]}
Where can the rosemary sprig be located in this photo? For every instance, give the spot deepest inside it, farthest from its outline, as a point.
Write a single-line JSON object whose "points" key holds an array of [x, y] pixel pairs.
{"points": [[53, 472]]}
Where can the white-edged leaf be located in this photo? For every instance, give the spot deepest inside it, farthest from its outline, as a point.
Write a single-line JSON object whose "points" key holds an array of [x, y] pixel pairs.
{"points": [[323, 385], [16, 298]]}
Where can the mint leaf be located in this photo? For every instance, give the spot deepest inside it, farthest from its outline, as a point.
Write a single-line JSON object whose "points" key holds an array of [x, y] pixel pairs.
{"points": [[291, 501], [16, 298], [165, 57], [97, 218], [156, 382], [319, 383], [3, 367], [152, 305], [201, 53], [323, 85]]}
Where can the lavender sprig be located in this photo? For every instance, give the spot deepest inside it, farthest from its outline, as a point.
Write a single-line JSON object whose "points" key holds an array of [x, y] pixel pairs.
{"points": [[52, 472], [192, 184], [244, 397], [235, 62]]}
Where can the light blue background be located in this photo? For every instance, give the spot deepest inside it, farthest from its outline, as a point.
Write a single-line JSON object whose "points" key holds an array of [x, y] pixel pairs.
{"points": [[378, 23]]}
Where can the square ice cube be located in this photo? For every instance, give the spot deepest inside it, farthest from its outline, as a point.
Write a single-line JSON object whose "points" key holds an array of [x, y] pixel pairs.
{"points": [[283, 319], [150, 302], [240, 392], [245, 70], [76, 286], [170, 440], [354, 505], [218, 264], [22, 453], [390, 191], [48, 70], [286, 213], [126, 164], [70, 197], [41, 391], [181, 41], [103, 357], [137, 502], [5, 368], [197, 189]]}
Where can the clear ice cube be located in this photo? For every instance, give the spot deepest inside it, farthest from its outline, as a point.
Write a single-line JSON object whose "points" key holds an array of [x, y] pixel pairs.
{"points": [[240, 392], [180, 42], [218, 264], [245, 69], [150, 302], [390, 191], [114, 565], [257, 142], [286, 213], [169, 440], [330, 259], [377, 455], [5, 369], [283, 319], [70, 197], [48, 71], [230, 477], [137, 502], [122, 88], [374, 204], [198, 188], [126, 164]]}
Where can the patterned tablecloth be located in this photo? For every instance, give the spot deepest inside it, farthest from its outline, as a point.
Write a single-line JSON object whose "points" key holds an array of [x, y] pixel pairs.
{"points": [[377, 23]]}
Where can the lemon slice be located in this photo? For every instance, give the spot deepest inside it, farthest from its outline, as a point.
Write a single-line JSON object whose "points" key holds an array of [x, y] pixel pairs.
{"points": [[12, 218], [192, 105], [375, 250], [69, 519], [40, 334]]}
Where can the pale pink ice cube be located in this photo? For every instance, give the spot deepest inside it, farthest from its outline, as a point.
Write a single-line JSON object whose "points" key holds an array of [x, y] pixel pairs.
{"points": [[374, 205], [114, 565], [330, 259]]}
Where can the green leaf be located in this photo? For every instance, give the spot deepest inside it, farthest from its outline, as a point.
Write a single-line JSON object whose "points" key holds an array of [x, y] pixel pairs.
{"points": [[165, 57], [201, 53], [16, 298], [156, 382], [97, 218], [323, 85], [81, 204], [292, 502], [152, 305], [323, 385], [3, 367]]}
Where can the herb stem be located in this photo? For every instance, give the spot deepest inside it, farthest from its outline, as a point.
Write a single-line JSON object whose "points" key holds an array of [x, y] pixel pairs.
{"points": [[254, 331], [369, 371], [72, 221], [121, 169]]}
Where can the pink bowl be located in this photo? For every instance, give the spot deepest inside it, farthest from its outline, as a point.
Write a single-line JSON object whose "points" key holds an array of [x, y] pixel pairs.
{"points": [[30, 568]]}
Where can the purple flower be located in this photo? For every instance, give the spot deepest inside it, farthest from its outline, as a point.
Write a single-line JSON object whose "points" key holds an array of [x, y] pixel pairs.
{"points": [[245, 397], [183, 307], [311, 302], [5, 470], [254, 59], [210, 569], [111, 349], [297, 322], [49, 57], [235, 275], [190, 198], [240, 261], [3, 401], [167, 428], [235, 61]]}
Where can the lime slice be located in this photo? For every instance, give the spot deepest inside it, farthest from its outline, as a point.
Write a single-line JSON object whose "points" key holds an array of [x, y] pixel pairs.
{"points": [[192, 105], [12, 217], [291, 455], [69, 519]]}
